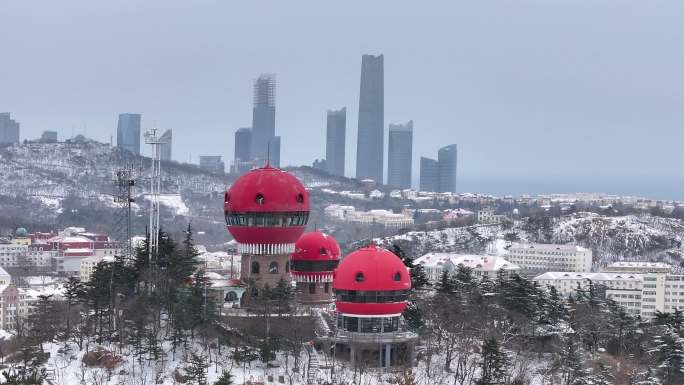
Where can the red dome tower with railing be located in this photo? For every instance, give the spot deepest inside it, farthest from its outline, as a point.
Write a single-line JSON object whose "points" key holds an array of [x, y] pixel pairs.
{"points": [[371, 288], [312, 264], [266, 211]]}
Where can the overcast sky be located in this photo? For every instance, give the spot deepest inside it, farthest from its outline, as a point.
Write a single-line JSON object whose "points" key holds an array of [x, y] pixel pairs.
{"points": [[588, 94]]}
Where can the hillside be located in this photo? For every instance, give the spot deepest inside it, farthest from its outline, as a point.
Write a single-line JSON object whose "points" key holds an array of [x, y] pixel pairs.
{"points": [[611, 238]]}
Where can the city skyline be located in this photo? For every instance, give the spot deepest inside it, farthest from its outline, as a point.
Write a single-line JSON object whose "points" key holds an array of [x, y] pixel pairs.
{"points": [[471, 75]]}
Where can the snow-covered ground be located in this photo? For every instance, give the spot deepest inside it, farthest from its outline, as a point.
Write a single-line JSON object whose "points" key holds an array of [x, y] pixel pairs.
{"points": [[173, 202]]}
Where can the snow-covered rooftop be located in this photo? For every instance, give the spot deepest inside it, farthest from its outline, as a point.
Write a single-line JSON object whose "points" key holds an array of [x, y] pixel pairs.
{"points": [[639, 264], [547, 247], [477, 262], [561, 275]]}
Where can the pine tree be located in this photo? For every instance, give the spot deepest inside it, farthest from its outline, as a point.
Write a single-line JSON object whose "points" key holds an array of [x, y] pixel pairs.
{"points": [[196, 369], [494, 363], [445, 284], [670, 352], [73, 292], [413, 316], [419, 279], [182, 264], [226, 378]]}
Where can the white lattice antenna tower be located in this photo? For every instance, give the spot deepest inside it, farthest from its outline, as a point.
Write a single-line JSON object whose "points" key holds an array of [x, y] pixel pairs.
{"points": [[152, 139]]}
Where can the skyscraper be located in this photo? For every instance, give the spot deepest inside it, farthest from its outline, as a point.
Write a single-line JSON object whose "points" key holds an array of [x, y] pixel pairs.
{"points": [[165, 148], [263, 118], [335, 141], [370, 138], [243, 142], [9, 129], [128, 133], [212, 163], [400, 155], [274, 151], [447, 159], [429, 174]]}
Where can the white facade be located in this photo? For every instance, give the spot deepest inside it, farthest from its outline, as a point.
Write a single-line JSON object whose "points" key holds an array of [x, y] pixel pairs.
{"points": [[14, 305], [640, 294], [638, 267], [13, 255], [537, 257], [384, 218], [625, 289], [435, 264]]}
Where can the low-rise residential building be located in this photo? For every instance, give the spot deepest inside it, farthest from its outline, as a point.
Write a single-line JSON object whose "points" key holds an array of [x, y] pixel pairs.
{"points": [[624, 288], [435, 264], [384, 218], [539, 258], [641, 294], [14, 306]]}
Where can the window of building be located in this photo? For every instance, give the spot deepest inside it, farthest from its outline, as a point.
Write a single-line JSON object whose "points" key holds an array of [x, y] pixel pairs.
{"points": [[273, 268], [312, 288], [326, 287], [255, 267]]}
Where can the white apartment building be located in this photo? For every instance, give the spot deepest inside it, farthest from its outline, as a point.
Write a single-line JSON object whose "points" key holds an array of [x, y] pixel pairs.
{"points": [[539, 258], [13, 255], [435, 264], [14, 305], [384, 218], [625, 289], [640, 294]]}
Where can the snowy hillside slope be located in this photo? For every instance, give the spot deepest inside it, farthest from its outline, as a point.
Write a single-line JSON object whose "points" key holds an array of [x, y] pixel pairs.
{"points": [[611, 238]]}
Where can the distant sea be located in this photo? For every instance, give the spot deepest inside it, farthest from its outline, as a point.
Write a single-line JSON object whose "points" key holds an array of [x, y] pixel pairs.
{"points": [[653, 189]]}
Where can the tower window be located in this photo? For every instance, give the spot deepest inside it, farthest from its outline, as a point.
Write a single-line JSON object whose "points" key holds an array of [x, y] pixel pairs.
{"points": [[273, 268], [300, 198], [323, 251], [259, 199], [397, 276], [255, 267], [360, 277]]}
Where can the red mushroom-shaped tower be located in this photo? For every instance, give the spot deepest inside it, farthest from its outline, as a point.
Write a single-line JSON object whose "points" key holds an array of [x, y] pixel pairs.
{"points": [[266, 211], [371, 289], [371, 281], [312, 264]]}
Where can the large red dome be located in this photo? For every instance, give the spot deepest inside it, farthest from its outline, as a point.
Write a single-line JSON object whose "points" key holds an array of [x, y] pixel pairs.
{"points": [[371, 281], [266, 211], [266, 189], [316, 246]]}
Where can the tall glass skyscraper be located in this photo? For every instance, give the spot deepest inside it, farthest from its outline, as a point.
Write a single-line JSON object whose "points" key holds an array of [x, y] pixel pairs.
{"points": [[370, 138], [429, 174], [263, 119], [400, 155], [440, 175], [243, 143], [9, 129], [165, 148], [447, 157], [128, 133], [335, 141]]}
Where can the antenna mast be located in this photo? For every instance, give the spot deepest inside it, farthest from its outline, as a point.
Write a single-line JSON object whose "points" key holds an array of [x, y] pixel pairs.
{"points": [[152, 139]]}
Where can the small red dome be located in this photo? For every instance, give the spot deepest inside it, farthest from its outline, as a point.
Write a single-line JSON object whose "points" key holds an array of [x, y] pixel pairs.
{"points": [[266, 189], [316, 246], [371, 269]]}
